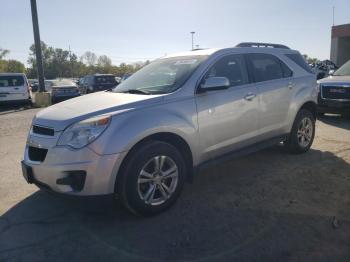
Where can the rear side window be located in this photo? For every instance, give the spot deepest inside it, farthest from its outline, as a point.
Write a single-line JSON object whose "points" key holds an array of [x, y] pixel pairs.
{"points": [[105, 80], [265, 67], [300, 61], [8, 81], [232, 67]]}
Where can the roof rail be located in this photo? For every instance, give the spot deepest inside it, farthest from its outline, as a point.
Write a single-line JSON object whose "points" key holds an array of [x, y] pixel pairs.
{"points": [[252, 44]]}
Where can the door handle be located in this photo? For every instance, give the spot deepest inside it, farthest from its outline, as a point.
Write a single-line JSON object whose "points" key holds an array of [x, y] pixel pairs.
{"points": [[290, 85], [249, 96]]}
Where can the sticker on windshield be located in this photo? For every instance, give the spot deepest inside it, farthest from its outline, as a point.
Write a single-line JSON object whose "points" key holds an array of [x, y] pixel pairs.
{"points": [[186, 62]]}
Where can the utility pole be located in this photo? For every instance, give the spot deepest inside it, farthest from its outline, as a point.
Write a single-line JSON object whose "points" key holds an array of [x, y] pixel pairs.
{"points": [[39, 59], [71, 62], [333, 14], [192, 33]]}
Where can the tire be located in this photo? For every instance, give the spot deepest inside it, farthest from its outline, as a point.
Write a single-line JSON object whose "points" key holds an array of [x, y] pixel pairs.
{"points": [[29, 102], [301, 137], [145, 190]]}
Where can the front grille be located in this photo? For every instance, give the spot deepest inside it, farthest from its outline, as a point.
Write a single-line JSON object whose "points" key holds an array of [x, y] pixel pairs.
{"points": [[37, 154], [43, 130], [335, 92]]}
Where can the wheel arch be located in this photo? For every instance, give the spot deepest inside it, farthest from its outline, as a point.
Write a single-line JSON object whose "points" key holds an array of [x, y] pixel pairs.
{"points": [[168, 137], [310, 106]]}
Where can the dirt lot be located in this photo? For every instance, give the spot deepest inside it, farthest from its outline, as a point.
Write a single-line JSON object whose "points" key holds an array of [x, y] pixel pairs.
{"points": [[269, 206]]}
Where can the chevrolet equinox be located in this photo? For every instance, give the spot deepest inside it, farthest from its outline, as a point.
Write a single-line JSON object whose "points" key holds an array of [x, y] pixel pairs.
{"points": [[143, 139]]}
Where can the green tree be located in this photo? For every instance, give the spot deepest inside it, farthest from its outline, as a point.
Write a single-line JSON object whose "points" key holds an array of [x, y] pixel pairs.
{"points": [[14, 66], [58, 62], [310, 60], [10, 66], [3, 53]]}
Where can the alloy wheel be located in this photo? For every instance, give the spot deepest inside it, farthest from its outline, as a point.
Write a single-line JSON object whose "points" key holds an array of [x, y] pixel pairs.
{"points": [[157, 180], [305, 132]]}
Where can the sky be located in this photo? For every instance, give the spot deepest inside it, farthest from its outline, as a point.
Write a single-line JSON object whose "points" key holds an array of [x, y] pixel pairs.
{"points": [[131, 31]]}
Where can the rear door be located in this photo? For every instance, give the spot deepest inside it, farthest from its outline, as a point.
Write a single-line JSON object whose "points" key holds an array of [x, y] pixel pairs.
{"points": [[275, 83], [13, 87]]}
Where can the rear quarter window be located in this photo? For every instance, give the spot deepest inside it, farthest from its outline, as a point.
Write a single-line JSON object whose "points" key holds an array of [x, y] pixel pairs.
{"points": [[8, 81], [300, 61]]}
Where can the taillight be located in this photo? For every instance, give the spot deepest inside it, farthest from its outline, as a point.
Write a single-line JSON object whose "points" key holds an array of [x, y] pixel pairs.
{"points": [[29, 88]]}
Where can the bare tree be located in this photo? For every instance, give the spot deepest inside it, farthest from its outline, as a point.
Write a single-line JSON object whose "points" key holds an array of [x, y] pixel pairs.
{"points": [[89, 58], [104, 61]]}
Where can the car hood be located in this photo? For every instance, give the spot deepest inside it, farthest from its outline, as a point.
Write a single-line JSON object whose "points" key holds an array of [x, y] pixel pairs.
{"points": [[335, 79], [60, 115]]}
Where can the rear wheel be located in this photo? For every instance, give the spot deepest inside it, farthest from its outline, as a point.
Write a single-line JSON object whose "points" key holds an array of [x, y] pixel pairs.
{"points": [[152, 178], [303, 132]]}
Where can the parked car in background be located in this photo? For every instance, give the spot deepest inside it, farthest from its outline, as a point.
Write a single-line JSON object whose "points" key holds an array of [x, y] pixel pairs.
{"points": [[33, 85], [61, 89], [118, 79], [334, 92], [323, 68], [144, 139], [125, 76], [14, 87], [97, 82]]}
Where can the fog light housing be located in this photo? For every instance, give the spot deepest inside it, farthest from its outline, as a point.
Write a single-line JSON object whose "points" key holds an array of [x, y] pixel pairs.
{"points": [[75, 179]]}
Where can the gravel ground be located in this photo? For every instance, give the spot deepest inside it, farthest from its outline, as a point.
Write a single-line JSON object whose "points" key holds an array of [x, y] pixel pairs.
{"points": [[268, 206]]}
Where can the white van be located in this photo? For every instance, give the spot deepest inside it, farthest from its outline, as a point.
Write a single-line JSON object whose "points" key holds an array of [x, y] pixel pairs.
{"points": [[14, 87]]}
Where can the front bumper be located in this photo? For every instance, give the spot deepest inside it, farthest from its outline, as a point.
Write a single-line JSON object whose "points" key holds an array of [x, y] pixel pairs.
{"points": [[333, 106], [75, 172]]}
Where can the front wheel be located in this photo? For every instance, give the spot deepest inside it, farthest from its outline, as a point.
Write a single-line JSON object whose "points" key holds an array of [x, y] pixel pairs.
{"points": [[152, 178], [303, 132]]}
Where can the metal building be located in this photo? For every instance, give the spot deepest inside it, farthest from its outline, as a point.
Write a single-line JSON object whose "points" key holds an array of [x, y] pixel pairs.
{"points": [[340, 45]]}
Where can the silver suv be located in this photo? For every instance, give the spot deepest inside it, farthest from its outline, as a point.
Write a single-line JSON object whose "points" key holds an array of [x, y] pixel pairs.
{"points": [[142, 140]]}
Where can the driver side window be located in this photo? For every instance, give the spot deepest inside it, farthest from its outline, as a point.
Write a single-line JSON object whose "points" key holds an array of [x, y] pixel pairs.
{"points": [[232, 67]]}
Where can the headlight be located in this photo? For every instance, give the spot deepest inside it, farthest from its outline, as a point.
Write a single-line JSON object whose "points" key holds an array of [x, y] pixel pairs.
{"points": [[318, 87], [84, 132]]}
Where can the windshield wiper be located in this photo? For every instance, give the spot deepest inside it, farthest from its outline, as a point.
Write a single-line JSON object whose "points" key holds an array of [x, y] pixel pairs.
{"points": [[136, 91]]}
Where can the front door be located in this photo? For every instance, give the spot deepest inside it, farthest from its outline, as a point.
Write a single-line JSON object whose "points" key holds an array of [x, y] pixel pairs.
{"points": [[227, 119]]}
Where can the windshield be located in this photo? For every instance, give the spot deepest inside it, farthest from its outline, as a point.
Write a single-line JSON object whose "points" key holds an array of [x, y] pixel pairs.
{"points": [[161, 76], [344, 70]]}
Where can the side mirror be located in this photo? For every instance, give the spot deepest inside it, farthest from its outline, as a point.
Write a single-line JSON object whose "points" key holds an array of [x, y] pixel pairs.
{"points": [[331, 72], [215, 83]]}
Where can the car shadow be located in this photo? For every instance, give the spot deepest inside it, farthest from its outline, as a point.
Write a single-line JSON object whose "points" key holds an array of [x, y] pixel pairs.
{"points": [[7, 108], [336, 120], [268, 206]]}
